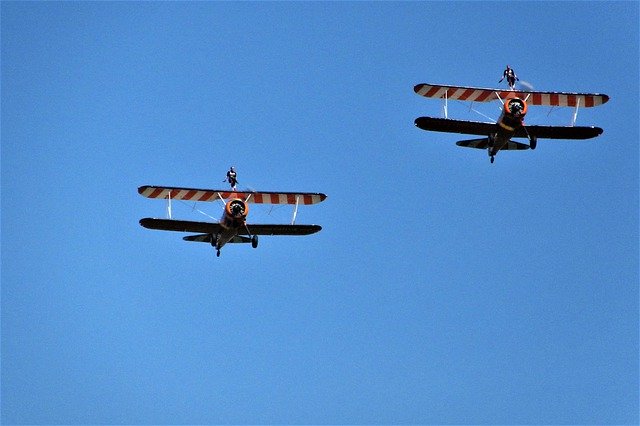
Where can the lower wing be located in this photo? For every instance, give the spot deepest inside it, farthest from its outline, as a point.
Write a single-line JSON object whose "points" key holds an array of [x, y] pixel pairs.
{"points": [[558, 132], [456, 126], [216, 228], [485, 129]]}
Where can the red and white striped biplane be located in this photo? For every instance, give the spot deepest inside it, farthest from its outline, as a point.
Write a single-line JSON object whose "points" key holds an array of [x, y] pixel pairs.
{"points": [[497, 136], [232, 227]]}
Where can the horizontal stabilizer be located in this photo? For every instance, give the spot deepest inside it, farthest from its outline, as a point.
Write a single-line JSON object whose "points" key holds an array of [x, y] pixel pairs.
{"points": [[474, 143], [192, 194], [484, 143], [216, 228], [479, 94], [200, 238], [206, 238]]}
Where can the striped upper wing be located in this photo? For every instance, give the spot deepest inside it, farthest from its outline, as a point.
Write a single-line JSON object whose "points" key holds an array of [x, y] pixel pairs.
{"points": [[192, 194], [478, 94], [216, 228]]}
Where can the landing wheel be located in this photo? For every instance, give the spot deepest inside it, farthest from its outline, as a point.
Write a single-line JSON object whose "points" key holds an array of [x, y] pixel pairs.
{"points": [[218, 253], [492, 159], [254, 241]]}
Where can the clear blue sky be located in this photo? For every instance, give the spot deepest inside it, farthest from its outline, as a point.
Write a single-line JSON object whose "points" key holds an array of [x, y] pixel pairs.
{"points": [[442, 289]]}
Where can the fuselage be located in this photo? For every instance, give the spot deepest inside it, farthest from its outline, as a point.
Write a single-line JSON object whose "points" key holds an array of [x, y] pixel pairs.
{"points": [[511, 119], [233, 219]]}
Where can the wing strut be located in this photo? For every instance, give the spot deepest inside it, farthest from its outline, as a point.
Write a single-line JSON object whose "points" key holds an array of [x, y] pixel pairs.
{"points": [[295, 210], [575, 114], [445, 108], [169, 206]]}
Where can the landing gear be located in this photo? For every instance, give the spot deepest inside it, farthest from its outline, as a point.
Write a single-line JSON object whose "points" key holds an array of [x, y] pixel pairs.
{"points": [[254, 241], [490, 143], [492, 159], [533, 142], [214, 243]]}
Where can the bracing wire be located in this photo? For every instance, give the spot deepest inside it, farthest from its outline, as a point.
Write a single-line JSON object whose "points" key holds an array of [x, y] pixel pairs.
{"points": [[478, 112], [193, 208]]}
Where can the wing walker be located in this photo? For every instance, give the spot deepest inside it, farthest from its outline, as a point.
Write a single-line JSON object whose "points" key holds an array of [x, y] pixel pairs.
{"points": [[498, 136], [233, 226]]}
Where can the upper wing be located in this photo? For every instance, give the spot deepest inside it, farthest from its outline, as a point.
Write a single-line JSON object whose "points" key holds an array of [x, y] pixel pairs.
{"points": [[191, 194], [456, 126], [559, 132], [216, 228], [478, 94]]}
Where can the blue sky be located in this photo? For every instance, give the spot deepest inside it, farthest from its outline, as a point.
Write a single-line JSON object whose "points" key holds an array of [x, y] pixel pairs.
{"points": [[442, 289]]}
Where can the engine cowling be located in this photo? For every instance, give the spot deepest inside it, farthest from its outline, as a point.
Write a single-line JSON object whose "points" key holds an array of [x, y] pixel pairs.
{"points": [[513, 113], [235, 212], [515, 107]]}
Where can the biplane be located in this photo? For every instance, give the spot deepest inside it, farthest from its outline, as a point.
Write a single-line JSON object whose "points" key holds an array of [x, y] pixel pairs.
{"points": [[232, 227], [498, 136]]}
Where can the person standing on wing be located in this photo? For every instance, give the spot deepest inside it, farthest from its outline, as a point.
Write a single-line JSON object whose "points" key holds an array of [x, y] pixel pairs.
{"points": [[511, 77], [232, 178]]}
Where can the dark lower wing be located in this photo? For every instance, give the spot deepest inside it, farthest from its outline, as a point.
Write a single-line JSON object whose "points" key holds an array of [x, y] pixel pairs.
{"points": [[558, 132], [181, 225], [281, 229], [456, 126], [216, 228]]}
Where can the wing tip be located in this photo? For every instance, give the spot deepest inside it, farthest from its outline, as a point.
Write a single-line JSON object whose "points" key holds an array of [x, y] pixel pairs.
{"points": [[145, 222]]}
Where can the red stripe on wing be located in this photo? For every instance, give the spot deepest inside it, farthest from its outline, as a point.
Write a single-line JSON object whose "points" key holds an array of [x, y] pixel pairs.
{"points": [[589, 101], [484, 95], [207, 196], [156, 193], [432, 92], [466, 94], [189, 195]]}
